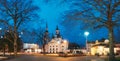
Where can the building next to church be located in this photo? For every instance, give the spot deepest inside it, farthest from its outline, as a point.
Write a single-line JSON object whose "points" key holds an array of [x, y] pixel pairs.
{"points": [[31, 48], [101, 47], [56, 44]]}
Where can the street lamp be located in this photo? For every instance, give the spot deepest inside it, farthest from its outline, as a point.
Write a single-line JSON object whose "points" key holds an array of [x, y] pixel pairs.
{"points": [[0, 29], [0, 32], [86, 34], [21, 33]]}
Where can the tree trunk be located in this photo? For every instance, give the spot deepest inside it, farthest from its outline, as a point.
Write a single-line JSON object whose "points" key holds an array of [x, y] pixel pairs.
{"points": [[15, 39], [44, 49], [111, 45], [15, 46], [3, 51]]}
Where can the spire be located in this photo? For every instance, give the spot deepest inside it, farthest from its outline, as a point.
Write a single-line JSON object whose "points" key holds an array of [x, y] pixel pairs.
{"points": [[46, 27], [57, 28], [58, 32]]}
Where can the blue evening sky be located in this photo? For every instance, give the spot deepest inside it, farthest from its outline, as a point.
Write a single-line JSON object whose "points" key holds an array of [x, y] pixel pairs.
{"points": [[52, 13]]}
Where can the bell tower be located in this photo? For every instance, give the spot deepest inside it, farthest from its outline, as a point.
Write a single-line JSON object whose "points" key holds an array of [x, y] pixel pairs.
{"points": [[46, 35], [57, 30]]}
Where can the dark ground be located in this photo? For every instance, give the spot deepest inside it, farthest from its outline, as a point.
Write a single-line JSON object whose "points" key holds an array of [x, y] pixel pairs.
{"points": [[48, 58]]}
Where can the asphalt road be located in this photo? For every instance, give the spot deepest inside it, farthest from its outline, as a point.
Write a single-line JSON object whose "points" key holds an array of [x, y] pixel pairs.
{"points": [[48, 58]]}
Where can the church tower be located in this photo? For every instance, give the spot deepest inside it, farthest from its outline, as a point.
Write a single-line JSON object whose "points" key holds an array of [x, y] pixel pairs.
{"points": [[46, 30], [46, 35], [58, 32]]}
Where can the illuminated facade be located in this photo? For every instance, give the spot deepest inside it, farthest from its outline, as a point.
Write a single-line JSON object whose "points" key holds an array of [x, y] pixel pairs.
{"points": [[57, 44], [31, 48], [101, 48]]}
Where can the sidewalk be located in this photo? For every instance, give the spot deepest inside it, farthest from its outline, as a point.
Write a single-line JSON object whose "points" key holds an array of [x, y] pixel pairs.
{"points": [[97, 59], [94, 58]]}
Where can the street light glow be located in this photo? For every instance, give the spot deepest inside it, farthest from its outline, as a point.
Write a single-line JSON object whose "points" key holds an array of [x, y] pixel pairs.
{"points": [[0, 28], [21, 33], [86, 33], [1, 36], [19, 36]]}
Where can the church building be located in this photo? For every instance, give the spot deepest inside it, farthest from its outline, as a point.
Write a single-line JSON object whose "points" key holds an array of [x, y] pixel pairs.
{"points": [[56, 44]]}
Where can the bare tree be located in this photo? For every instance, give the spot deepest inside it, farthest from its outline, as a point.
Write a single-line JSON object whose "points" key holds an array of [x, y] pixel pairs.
{"points": [[98, 13], [40, 36], [18, 11]]}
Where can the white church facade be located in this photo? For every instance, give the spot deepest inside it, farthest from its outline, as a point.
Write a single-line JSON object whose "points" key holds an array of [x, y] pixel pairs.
{"points": [[57, 44]]}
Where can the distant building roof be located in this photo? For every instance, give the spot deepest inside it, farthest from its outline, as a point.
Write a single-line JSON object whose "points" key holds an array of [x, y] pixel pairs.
{"points": [[106, 45]]}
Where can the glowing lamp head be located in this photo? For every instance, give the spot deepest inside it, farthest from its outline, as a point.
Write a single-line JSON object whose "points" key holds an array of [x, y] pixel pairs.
{"points": [[86, 33], [0, 28], [1, 36], [21, 33]]}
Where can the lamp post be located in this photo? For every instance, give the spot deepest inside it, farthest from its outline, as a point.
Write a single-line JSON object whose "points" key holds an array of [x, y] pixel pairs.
{"points": [[0, 32], [86, 35], [0, 29]]}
